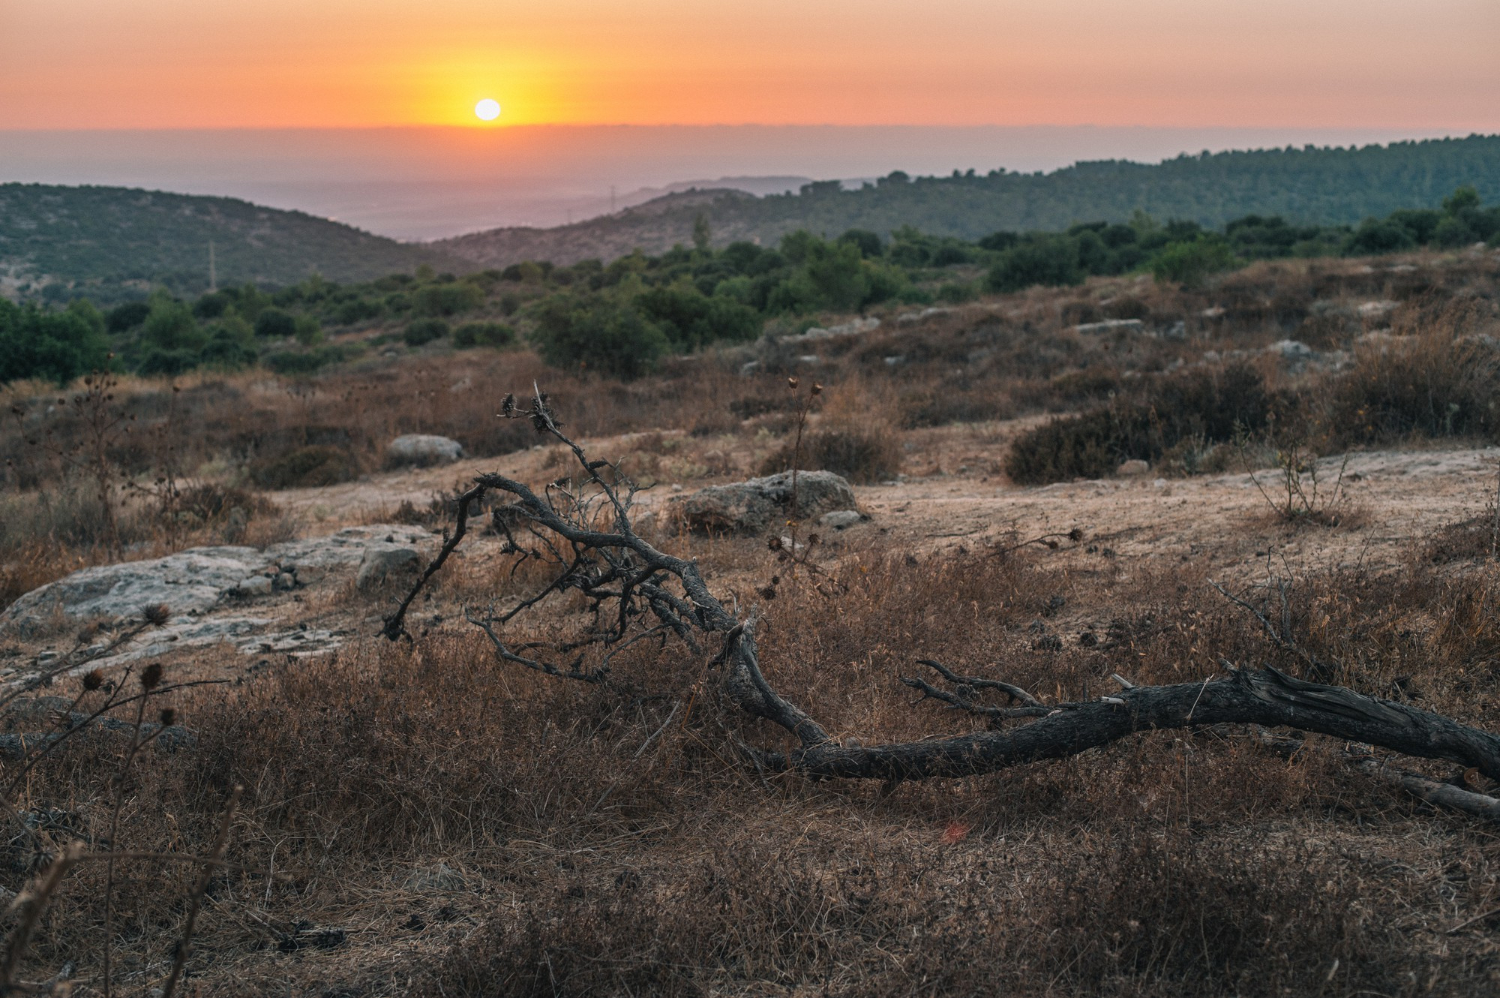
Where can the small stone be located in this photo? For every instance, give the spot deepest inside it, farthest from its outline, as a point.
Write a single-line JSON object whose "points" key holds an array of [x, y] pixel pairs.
{"points": [[841, 519], [422, 450], [255, 585], [379, 564], [1133, 468]]}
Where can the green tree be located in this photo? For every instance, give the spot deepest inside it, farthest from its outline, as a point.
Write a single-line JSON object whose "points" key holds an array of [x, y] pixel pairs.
{"points": [[601, 334], [702, 235], [1190, 263], [57, 346]]}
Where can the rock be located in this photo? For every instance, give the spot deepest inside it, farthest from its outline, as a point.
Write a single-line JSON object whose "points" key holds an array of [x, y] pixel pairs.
{"points": [[380, 563], [841, 519], [1133, 469], [1293, 353], [192, 584], [255, 585], [752, 507], [909, 318], [854, 327], [1176, 331], [1377, 309], [421, 450], [1110, 326], [187, 582]]}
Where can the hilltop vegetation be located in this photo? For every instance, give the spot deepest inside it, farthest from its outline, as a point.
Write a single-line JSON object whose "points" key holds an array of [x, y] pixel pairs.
{"points": [[623, 318], [1306, 186], [111, 244]]}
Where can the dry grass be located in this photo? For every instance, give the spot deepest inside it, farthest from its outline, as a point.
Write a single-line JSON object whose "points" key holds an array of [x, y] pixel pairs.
{"points": [[419, 819], [590, 848]]}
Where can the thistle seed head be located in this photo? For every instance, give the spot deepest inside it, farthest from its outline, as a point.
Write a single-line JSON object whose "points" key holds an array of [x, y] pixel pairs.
{"points": [[156, 614], [151, 676]]}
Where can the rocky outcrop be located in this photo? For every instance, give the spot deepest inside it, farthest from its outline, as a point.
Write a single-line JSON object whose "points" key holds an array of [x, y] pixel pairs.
{"points": [[755, 506], [422, 450], [207, 591]]}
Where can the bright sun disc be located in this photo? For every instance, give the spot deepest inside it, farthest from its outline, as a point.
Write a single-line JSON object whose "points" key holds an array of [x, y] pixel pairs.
{"points": [[487, 109]]}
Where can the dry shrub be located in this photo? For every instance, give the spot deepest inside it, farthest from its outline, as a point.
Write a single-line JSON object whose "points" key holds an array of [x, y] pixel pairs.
{"points": [[1204, 406], [1439, 380], [1467, 540], [306, 467], [856, 437]]}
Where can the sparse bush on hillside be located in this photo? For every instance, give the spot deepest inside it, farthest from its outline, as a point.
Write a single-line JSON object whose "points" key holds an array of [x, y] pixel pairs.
{"points": [[1048, 261], [305, 467], [1442, 381], [603, 335], [1190, 263], [424, 331], [1211, 407], [483, 334]]}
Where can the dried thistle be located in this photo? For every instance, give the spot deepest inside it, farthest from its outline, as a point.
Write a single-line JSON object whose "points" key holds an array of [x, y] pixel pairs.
{"points": [[151, 676], [92, 680], [168, 717], [508, 406], [774, 543], [157, 614]]}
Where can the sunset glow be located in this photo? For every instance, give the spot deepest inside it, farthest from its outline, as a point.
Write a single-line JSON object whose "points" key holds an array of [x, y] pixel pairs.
{"points": [[233, 63]]}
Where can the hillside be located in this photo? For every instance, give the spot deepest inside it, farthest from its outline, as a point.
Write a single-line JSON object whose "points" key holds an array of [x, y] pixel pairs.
{"points": [[1308, 185], [113, 242]]}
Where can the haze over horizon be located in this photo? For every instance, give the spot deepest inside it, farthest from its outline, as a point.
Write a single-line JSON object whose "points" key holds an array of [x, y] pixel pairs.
{"points": [[420, 183]]}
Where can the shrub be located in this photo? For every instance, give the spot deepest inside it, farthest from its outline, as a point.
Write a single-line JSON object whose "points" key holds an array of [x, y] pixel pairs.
{"points": [[1202, 406], [483, 334], [275, 324], [862, 456], [58, 346], [305, 467], [303, 361], [1190, 263], [600, 333], [1051, 261], [446, 299], [424, 331], [1436, 384]]}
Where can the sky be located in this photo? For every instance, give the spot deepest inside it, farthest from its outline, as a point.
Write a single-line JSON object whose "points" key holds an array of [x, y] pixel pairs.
{"points": [[130, 64]]}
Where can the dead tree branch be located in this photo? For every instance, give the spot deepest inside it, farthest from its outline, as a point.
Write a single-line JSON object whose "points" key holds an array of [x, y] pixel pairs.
{"points": [[638, 591]]}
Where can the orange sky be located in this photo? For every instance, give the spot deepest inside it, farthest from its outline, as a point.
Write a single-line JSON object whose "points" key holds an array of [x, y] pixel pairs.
{"points": [[330, 63]]}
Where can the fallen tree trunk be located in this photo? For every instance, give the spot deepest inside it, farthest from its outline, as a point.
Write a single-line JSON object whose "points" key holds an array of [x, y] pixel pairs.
{"points": [[1266, 697], [638, 591]]}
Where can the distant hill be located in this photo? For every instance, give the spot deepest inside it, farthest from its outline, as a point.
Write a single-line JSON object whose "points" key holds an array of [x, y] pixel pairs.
{"points": [[112, 243], [1309, 186]]}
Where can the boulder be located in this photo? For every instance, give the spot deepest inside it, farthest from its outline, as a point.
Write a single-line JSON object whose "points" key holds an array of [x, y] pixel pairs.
{"points": [[381, 563], [187, 582], [753, 507], [1133, 469], [1110, 326], [196, 581], [422, 450]]}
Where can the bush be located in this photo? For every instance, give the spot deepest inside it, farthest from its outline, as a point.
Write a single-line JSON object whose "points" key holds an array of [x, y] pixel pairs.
{"points": [[1190, 263], [446, 299], [305, 467], [303, 361], [483, 334], [1201, 406], [275, 324], [1051, 261], [424, 331], [599, 333], [1436, 384], [58, 346], [863, 457]]}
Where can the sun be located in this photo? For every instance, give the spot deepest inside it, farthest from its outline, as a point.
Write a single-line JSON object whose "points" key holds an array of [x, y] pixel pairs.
{"points": [[487, 109]]}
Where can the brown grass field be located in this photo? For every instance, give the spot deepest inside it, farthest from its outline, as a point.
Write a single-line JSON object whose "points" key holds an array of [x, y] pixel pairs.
{"points": [[420, 818]]}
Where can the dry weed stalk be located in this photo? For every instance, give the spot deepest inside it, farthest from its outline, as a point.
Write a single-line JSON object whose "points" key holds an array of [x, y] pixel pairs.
{"points": [[639, 592]]}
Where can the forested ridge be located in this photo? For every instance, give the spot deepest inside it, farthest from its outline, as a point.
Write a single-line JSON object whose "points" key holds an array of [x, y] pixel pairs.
{"points": [[1309, 186]]}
